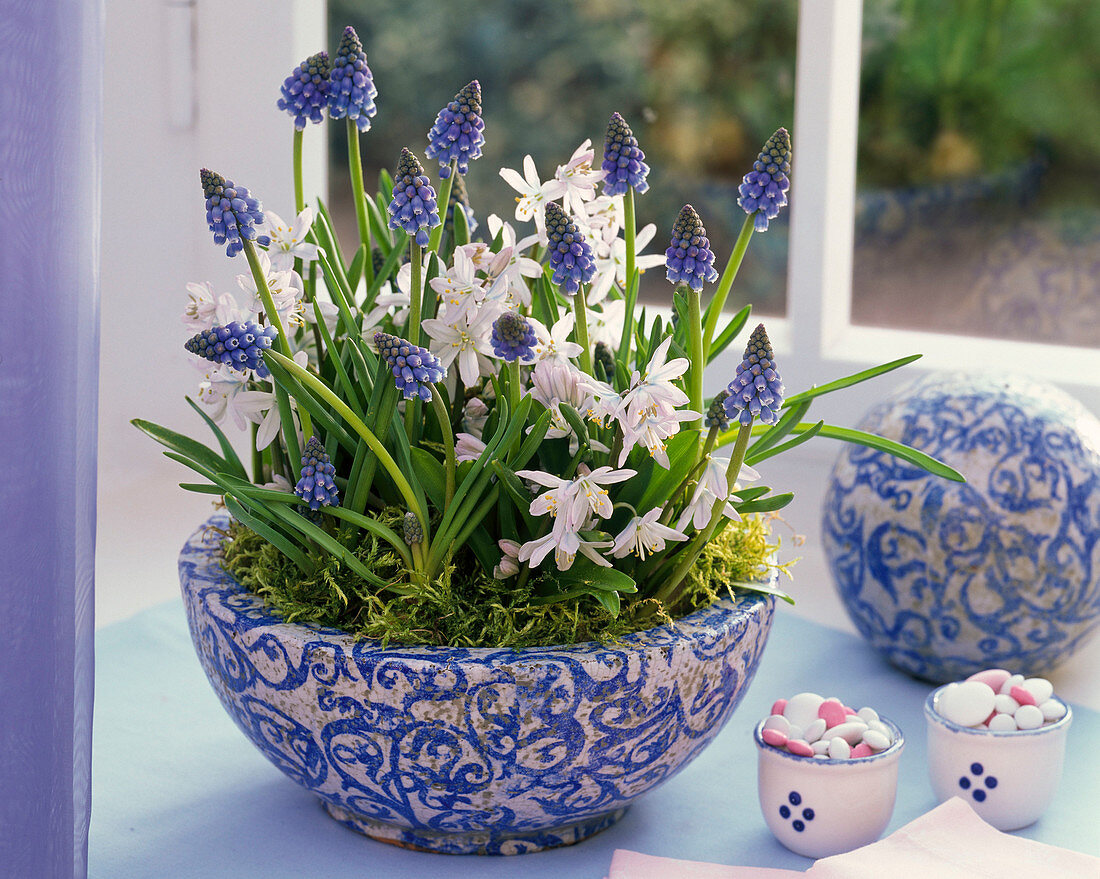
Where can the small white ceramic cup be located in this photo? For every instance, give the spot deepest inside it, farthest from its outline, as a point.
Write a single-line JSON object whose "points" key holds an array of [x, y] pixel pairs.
{"points": [[818, 808], [1009, 778]]}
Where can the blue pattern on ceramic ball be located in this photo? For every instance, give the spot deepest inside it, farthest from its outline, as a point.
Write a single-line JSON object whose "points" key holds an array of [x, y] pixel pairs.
{"points": [[946, 579]]}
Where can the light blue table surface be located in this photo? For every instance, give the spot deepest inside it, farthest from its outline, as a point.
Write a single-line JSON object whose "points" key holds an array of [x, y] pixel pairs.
{"points": [[179, 792]]}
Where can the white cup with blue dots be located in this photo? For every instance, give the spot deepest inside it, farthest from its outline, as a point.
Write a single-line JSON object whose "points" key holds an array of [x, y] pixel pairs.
{"points": [[1008, 777], [818, 806]]}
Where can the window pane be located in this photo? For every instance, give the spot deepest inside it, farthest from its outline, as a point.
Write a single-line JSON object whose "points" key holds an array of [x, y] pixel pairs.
{"points": [[703, 84], [978, 200]]}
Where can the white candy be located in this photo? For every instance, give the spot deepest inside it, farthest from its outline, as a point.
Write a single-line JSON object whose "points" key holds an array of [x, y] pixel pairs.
{"points": [[1004, 704], [794, 732], [851, 731], [868, 715], [821, 756], [1052, 710], [1014, 681], [1028, 717], [1040, 688], [880, 727], [1002, 723], [780, 723], [821, 746], [874, 739], [839, 749], [814, 731], [967, 704], [801, 710]]}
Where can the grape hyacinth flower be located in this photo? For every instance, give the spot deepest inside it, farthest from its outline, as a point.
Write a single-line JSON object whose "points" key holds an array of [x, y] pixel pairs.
{"points": [[604, 359], [457, 133], [513, 337], [689, 259], [570, 257], [351, 84], [413, 207], [411, 530], [764, 190], [231, 212], [316, 486], [237, 345], [414, 368], [716, 414], [623, 159], [305, 91], [757, 390]]}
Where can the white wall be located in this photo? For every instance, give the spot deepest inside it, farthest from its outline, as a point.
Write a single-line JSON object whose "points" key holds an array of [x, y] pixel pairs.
{"points": [[185, 85]]}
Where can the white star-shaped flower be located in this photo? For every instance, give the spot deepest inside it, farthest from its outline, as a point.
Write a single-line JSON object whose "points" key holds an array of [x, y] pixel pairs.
{"points": [[644, 534]]}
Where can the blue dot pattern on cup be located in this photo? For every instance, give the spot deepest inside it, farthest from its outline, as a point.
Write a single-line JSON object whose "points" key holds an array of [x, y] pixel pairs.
{"points": [[979, 792], [785, 812]]}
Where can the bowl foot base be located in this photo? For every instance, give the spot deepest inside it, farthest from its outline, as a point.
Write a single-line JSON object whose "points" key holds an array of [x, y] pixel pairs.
{"points": [[473, 843]]}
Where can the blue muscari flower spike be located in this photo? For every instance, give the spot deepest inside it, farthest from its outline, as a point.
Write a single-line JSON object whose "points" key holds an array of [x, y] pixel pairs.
{"points": [[457, 133], [414, 368], [305, 91], [570, 257], [623, 159], [231, 212], [316, 486], [757, 390], [413, 207], [513, 337], [237, 345], [764, 190], [351, 90], [689, 259]]}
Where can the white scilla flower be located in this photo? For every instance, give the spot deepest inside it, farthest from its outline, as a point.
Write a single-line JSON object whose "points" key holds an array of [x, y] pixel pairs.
{"points": [[533, 194], [644, 534], [288, 241]]}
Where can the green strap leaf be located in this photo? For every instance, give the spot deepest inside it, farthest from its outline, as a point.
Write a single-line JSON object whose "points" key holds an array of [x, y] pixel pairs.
{"points": [[228, 451], [733, 328], [785, 447], [184, 445], [898, 450], [778, 431], [765, 504], [850, 380], [281, 543]]}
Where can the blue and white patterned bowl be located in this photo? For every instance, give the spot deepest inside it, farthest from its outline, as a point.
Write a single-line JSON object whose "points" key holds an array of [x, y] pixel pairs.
{"points": [[947, 579], [492, 751]]}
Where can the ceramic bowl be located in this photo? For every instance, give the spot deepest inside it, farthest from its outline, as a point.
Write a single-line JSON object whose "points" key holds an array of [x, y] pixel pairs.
{"points": [[945, 578], [490, 751], [818, 808], [1009, 778]]}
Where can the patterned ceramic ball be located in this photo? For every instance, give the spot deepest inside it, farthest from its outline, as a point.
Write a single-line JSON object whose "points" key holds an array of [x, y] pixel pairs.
{"points": [[945, 578]]}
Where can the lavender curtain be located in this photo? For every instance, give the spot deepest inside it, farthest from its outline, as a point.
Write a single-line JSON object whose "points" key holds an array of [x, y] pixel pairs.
{"points": [[51, 65]]}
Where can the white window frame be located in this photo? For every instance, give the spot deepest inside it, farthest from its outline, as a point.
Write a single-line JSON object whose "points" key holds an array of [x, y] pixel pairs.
{"points": [[817, 341]]}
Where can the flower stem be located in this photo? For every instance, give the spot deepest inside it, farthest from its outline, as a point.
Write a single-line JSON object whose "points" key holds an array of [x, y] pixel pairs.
{"points": [[631, 290], [448, 445], [726, 282], [441, 202], [299, 189], [412, 333], [693, 475], [355, 168], [696, 356], [672, 591], [282, 343], [580, 315]]}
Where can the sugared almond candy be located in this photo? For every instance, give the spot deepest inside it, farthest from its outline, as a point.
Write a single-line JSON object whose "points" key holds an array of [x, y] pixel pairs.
{"points": [[993, 678], [800, 748], [1010, 682], [1052, 710], [1040, 688], [1002, 723], [832, 713], [801, 710], [1022, 696], [1028, 717], [967, 704], [774, 737], [861, 750], [778, 706]]}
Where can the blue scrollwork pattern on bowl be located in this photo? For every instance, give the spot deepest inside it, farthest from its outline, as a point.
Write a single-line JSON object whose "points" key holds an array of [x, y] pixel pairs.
{"points": [[946, 579], [469, 750]]}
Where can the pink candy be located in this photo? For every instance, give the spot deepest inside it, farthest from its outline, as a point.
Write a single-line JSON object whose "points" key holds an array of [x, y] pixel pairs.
{"points": [[778, 705], [994, 678], [861, 750], [801, 748], [775, 738], [1022, 696], [833, 713]]}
